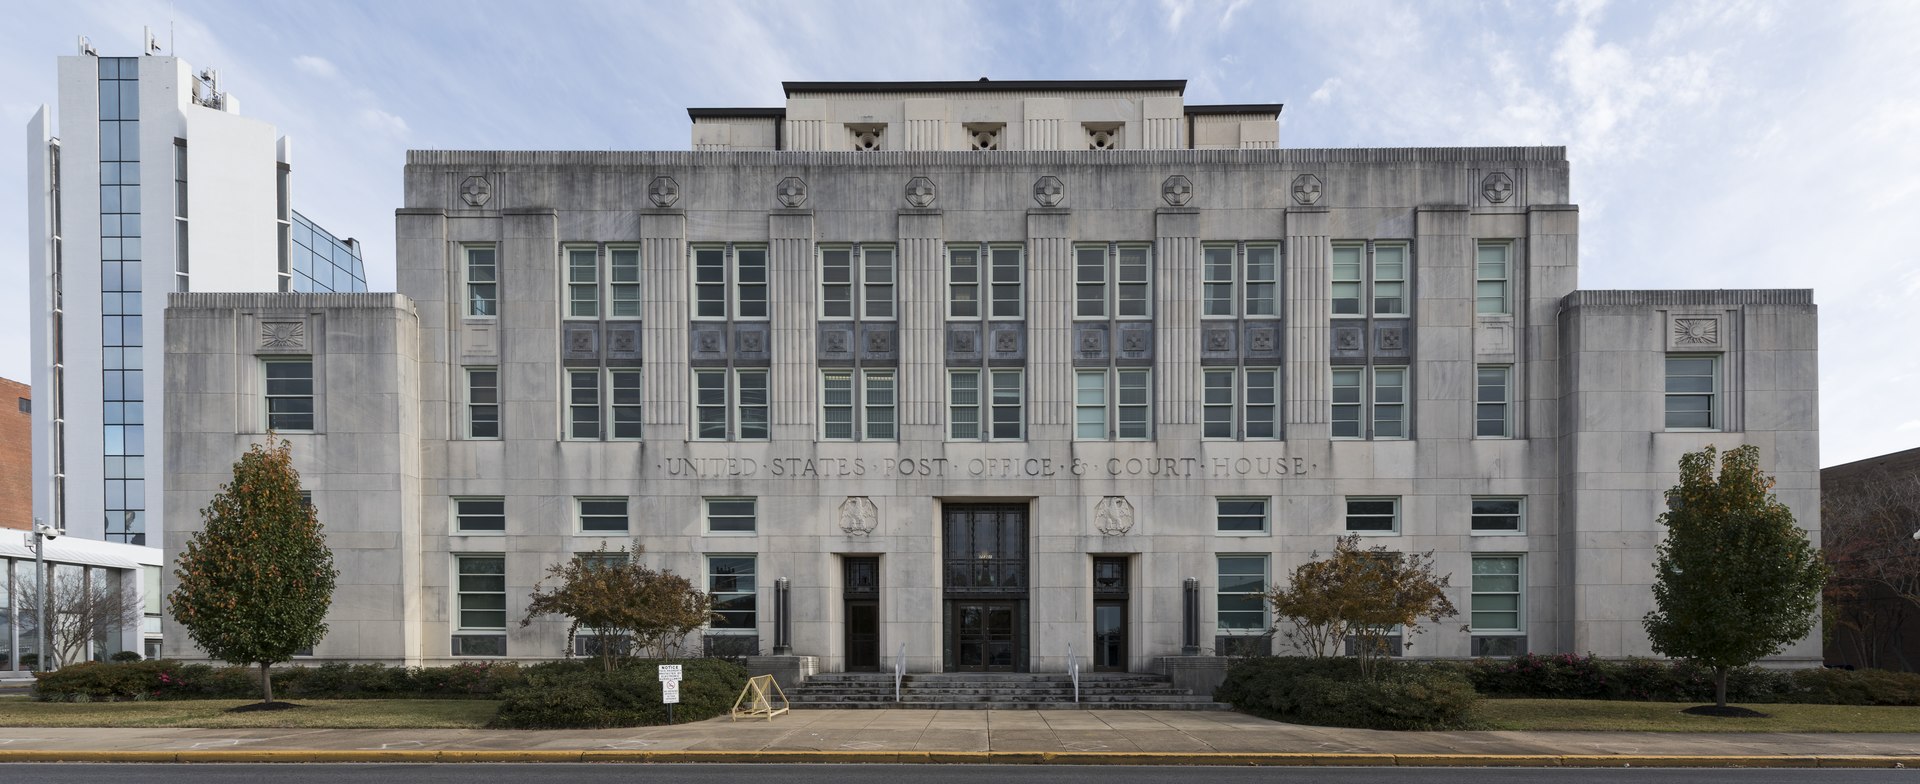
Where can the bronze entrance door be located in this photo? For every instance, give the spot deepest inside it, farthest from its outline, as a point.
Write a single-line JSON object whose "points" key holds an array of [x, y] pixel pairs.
{"points": [[1110, 596], [863, 613], [984, 549]]}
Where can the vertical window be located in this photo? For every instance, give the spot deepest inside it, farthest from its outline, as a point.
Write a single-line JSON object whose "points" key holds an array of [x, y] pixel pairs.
{"points": [[623, 282], [1491, 272], [730, 578], [876, 280], [1493, 397], [1008, 278], [1263, 276], [1242, 600], [1498, 515], [1348, 273], [1373, 515], [1090, 405], [1390, 402], [583, 282], [481, 596], [879, 405], [602, 515], [858, 279], [483, 402], [289, 395], [710, 404], [963, 282], [482, 289], [836, 405], [731, 515], [1113, 281], [1216, 280], [988, 404], [625, 403], [583, 404], [836, 283], [730, 281], [1347, 404], [1239, 403], [1496, 593], [710, 282], [752, 404], [1240, 515], [479, 515], [1692, 393], [1389, 280], [1134, 407], [995, 291], [750, 283]]}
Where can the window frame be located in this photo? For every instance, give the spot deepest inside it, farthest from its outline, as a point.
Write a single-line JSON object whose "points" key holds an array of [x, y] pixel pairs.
{"points": [[569, 254], [613, 284], [581, 516], [1519, 595], [860, 406], [730, 283], [571, 408], [1220, 591], [267, 396], [1347, 518], [1505, 280], [1506, 402], [459, 516], [614, 407], [469, 416], [1111, 404], [1358, 405], [1519, 516], [1373, 269], [459, 621], [740, 406], [752, 593], [707, 515], [468, 283], [1716, 421], [859, 283], [1375, 404], [987, 405], [1111, 282], [1220, 515], [1239, 391]]}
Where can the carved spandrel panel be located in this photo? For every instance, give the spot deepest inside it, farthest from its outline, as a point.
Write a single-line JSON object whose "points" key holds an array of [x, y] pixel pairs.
{"points": [[964, 343], [580, 340]]}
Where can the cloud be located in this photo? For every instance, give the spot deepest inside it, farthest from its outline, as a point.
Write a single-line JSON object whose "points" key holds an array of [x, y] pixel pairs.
{"points": [[317, 66], [1325, 93], [383, 122]]}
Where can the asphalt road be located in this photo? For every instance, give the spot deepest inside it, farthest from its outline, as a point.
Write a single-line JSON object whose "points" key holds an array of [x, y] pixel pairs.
{"points": [[468, 773]]}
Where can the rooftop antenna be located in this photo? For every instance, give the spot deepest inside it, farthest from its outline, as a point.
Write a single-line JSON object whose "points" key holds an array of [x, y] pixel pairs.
{"points": [[170, 50], [153, 44], [86, 47]]}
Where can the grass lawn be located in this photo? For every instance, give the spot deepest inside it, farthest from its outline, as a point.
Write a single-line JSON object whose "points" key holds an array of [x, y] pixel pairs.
{"points": [[1666, 717], [337, 714]]}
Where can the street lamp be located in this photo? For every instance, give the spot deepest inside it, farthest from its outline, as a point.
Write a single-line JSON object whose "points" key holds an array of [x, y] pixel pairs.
{"points": [[41, 533]]}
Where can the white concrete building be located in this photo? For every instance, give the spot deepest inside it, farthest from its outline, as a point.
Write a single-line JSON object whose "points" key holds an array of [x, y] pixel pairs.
{"points": [[988, 371], [152, 183], [82, 577]]}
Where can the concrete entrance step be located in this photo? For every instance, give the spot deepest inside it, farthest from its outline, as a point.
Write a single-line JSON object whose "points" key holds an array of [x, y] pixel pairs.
{"points": [[997, 690]]}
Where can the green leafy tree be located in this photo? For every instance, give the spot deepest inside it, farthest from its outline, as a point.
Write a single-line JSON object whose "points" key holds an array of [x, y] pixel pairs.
{"points": [[256, 580], [1736, 578], [1363, 594], [627, 605]]}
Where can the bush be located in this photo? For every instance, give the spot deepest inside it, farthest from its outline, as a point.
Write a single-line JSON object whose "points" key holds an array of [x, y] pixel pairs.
{"points": [[579, 695], [1570, 676], [169, 679], [125, 656], [1332, 692], [1856, 687]]}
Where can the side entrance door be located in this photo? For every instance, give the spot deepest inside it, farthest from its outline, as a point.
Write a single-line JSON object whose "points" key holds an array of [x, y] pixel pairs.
{"points": [[863, 613]]}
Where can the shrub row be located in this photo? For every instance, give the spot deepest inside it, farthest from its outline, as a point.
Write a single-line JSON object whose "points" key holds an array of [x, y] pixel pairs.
{"points": [[587, 697], [167, 679], [1332, 692], [1571, 676]]}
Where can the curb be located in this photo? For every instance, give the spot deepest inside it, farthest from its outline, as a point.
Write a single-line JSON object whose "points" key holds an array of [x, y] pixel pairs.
{"points": [[977, 757]]}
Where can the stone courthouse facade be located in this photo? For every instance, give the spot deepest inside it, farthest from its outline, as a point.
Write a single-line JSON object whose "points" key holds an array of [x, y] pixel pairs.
{"points": [[988, 372]]}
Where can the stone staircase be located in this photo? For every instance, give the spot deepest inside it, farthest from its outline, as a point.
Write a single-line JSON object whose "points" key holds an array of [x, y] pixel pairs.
{"points": [[997, 691]]}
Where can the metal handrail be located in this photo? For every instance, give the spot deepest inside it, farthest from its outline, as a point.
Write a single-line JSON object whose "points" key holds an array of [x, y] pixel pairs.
{"points": [[1073, 671], [899, 670]]}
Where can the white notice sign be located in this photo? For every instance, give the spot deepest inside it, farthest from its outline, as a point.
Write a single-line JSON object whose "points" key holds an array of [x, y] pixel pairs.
{"points": [[669, 692], [669, 672]]}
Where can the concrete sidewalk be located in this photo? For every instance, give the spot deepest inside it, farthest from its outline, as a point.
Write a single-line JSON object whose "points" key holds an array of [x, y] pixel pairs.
{"points": [[1078, 736]]}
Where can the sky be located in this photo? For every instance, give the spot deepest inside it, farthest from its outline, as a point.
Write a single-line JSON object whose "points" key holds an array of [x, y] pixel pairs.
{"points": [[1713, 144]]}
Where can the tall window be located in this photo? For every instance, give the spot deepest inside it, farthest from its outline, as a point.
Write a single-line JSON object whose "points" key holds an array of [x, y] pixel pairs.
{"points": [[583, 281], [730, 411], [290, 395], [1240, 515], [1496, 593], [602, 515], [1242, 601], [730, 282], [857, 279], [866, 413], [1239, 279], [993, 292], [731, 515], [1492, 270], [583, 404], [1496, 515], [1693, 385], [1240, 403], [483, 402], [483, 293], [987, 405], [1493, 402], [1113, 403], [1387, 274], [1380, 414], [480, 515], [623, 282], [1373, 515], [588, 408], [624, 403], [730, 578], [1113, 281], [481, 597]]}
